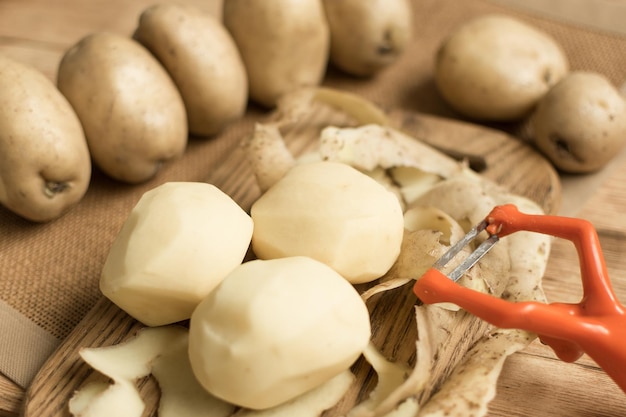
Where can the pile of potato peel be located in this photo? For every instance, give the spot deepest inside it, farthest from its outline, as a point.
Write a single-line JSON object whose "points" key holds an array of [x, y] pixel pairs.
{"points": [[454, 362]]}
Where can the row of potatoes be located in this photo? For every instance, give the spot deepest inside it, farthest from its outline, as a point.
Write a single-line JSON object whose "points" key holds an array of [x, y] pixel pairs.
{"points": [[128, 104]]}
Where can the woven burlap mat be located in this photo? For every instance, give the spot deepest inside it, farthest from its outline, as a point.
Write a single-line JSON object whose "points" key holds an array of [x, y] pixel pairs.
{"points": [[49, 272]]}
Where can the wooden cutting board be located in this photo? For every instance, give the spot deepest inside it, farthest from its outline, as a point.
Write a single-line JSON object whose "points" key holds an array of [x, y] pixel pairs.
{"points": [[498, 156]]}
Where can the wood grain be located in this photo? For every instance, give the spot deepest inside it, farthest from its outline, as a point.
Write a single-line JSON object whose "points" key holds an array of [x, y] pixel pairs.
{"points": [[391, 314]]}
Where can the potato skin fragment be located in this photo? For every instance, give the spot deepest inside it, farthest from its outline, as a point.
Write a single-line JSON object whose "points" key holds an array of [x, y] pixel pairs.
{"points": [[268, 155]]}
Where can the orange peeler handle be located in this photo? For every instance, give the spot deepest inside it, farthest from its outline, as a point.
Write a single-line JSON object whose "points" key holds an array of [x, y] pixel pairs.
{"points": [[596, 325]]}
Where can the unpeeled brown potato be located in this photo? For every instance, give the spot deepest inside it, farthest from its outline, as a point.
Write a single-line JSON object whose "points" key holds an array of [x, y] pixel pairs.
{"points": [[284, 44], [367, 36], [580, 124], [44, 161], [496, 68], [133, 116], [202, 59]]}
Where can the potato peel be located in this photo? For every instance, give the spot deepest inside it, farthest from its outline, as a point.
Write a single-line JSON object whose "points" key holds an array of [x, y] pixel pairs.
{"points": [[370, 146], [268, 155], [472, 385], [399, 390], [163, 352], [296, 106], [132, 359], [390, 376], [105, 400], [181, 394], [310, 404], [124, 364]]}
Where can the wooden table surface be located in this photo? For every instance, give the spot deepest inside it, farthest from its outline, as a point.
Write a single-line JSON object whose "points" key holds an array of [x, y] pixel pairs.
{"points": [[533, 382]]}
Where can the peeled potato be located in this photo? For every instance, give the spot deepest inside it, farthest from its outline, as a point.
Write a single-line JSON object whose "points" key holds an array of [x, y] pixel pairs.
{"points": [[333, 213], [275, 329], [178, 243]]}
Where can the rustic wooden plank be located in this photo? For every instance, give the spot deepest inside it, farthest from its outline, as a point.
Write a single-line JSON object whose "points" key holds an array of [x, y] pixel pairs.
{"points": [[535, 383], [11, 396]]}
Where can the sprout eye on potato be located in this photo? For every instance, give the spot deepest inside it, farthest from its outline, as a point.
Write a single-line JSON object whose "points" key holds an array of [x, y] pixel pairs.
{"points": [[202, 59], [367, 36], [132, 113], [496, 68], [45, 166], [580, 124]]}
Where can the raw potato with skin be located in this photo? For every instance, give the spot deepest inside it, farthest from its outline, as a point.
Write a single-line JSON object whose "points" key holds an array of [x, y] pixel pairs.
{"points": [[133, 116], [45, 166], [580, 124], [202, 59], [367, 36], [496, 68], [284, 44]]}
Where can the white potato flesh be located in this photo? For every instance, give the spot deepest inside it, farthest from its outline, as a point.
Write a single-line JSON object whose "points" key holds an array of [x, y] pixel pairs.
{"points": [[334, 213], [104, 400], [310, 404], [178, 243], [275, 329]]}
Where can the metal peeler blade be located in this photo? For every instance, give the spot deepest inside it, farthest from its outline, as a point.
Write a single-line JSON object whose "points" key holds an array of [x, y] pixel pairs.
{"points": [[474, 257]]}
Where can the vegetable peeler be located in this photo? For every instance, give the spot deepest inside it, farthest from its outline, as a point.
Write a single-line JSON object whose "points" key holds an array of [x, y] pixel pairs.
{"points": [[595, 326]]}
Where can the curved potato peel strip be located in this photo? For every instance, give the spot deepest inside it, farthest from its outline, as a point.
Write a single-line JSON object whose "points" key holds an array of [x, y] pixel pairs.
{"points": [[158, 350], [398, 390], [268, 155], [163, 352], [371, 146], [309, 404], [472, 385], [181, 394], [133, 359], [298, 105], [105, 400]]}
